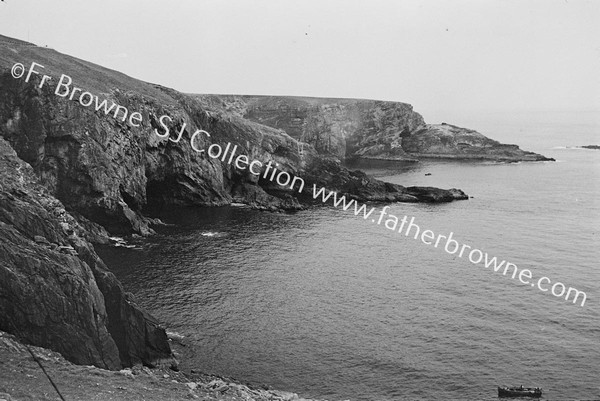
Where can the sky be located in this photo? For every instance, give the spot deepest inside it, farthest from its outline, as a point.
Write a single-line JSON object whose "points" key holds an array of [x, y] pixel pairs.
{"points": [[443, 57]]}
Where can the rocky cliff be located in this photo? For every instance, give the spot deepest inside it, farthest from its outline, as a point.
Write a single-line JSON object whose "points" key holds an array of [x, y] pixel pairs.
{"points": [[343, 128], [54, 290], [367, 129], [70, 173], [109, 170], [447, 141]]}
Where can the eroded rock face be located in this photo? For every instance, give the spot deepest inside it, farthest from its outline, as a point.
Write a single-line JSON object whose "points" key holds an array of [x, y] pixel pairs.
{"points": [[343, 128], [109, 171], [54, 290], [366, 129], [452, 142]]}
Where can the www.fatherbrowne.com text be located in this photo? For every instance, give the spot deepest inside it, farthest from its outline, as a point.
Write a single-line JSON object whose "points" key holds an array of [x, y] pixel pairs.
{"points": [[448, 243]]}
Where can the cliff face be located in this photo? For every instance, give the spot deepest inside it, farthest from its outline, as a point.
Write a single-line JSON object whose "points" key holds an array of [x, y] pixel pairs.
{"points": [[54, 290], [70, 173], [344, 128], [367, 129]]}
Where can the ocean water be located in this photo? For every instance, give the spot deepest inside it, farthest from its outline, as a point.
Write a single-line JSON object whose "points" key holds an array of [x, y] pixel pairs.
{"points": [[329, 305]]}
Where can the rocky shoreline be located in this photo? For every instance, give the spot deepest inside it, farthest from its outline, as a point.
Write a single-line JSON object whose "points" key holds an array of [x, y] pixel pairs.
{"points": [[72, 177], [446, 141], [487, 158]]}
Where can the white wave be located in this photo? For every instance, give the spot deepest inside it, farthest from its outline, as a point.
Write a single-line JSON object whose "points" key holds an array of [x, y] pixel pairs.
{"points": [[213, 234], [173, 335], [122, 243]]}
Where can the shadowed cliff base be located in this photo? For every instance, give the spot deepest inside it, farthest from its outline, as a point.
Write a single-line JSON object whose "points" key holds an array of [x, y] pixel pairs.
{"points": [[54, 289]]}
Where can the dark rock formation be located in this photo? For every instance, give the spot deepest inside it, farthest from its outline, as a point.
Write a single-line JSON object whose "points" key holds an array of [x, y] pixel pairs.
{"points": [[343, 128], [366, 129], [597, 147], [328, 173], [54, 290]]}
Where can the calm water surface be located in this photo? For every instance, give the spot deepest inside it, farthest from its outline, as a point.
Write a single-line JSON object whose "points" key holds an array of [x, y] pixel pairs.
{"points": [[328, 305]]}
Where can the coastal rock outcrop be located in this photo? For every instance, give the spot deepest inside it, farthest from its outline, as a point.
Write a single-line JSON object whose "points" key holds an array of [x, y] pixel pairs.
{"points": [[366, 129], [329, 173], [54, 290], [447, 141], [343, 128]]}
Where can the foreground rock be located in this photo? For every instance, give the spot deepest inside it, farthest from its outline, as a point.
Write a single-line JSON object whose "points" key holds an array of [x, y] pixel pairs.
{"points": [[54, 290], [22, 379]]}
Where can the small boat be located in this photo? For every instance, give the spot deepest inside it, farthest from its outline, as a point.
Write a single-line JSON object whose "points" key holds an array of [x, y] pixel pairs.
{"points": [[519, 392]]}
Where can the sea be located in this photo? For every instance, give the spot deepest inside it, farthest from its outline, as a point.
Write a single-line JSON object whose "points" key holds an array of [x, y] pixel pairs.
{"points": [[331, 306]]}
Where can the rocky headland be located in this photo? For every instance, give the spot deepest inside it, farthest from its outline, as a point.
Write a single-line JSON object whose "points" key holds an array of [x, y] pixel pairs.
{"points": [[366, 129], [71, 176], [445, 141]]}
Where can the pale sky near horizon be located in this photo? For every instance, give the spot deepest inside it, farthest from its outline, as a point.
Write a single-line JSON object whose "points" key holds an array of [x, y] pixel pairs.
{"points": [[443, 57]]}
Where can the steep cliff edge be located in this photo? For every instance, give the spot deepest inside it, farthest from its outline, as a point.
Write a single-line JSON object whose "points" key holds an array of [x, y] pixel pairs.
{"points": [[367, 129], [54, 290], [343, 128]]}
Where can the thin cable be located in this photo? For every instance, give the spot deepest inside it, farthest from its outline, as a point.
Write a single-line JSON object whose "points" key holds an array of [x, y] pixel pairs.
{"points": [[35, 358], [46, 373]]}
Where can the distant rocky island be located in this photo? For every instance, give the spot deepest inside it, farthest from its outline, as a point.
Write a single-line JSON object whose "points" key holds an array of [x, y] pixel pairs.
{"points": [[70, 177], [597, 147]]}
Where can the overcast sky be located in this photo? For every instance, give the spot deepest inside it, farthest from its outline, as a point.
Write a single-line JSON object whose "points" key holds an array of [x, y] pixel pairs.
{"points": [[443, 57]]}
